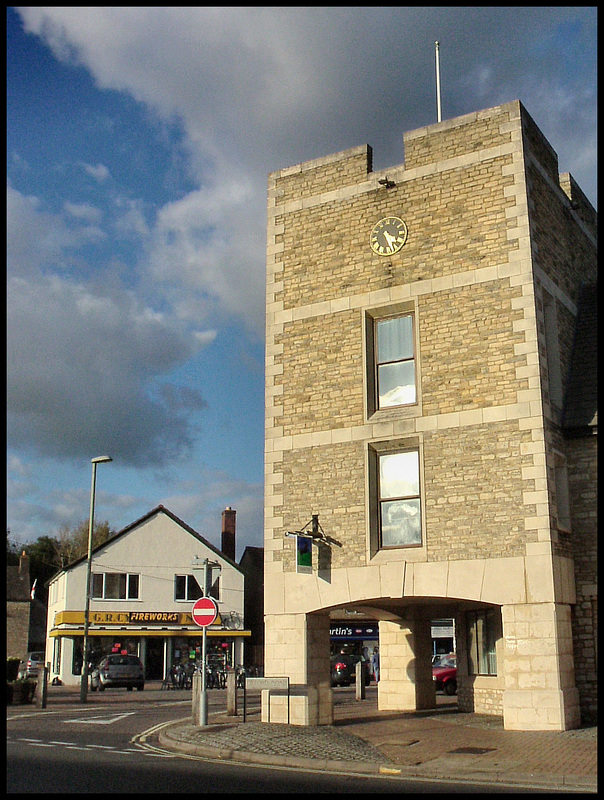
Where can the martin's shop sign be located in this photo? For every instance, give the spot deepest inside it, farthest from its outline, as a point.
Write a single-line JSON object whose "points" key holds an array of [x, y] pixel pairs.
{"points": [[363, 632]]}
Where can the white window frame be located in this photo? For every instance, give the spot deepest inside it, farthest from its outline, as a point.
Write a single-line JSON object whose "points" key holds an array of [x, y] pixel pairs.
{"points": [[103, 595], [372, 319]]}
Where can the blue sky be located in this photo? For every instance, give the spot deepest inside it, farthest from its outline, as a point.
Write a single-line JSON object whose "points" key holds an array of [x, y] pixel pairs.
{"points": [[139, 141]]}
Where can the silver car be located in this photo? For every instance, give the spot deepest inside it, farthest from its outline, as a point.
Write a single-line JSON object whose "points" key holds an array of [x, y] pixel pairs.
{"points": [[28, 667], [118, 671]]}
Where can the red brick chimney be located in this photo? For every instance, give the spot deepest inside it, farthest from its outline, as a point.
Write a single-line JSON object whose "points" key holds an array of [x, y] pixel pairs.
{"points": [[228, 533]]}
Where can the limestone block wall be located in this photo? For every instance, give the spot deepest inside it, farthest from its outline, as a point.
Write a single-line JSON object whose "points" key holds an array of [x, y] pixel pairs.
{"points": [[582, 460]]}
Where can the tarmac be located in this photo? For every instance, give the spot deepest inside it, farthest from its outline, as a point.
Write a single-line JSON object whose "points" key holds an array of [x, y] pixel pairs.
{"points": [[440, 744]]}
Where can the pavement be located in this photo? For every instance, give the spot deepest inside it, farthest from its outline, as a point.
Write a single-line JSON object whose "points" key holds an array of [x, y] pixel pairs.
{"points": [[443, 743], [439, 744]]}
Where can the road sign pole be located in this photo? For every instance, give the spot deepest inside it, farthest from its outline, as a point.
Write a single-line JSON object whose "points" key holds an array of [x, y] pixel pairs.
{"points": [[204, 613], [203, 710]]}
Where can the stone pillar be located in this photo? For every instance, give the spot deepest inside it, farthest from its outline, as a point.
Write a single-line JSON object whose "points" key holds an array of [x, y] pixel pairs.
{"points": [[297, 647], [406, 665], [540, 692]]}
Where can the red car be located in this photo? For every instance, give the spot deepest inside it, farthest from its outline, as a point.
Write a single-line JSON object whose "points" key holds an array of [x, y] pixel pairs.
{"points": [[444, 674]]}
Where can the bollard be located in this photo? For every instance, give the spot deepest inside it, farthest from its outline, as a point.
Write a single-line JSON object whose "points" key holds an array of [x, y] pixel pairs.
{"points": [[199, 715], [360, 680], [231, 693], [42, 686]]}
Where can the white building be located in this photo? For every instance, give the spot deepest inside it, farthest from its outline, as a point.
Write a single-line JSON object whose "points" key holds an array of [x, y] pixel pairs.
{"points": [[145, 580]]}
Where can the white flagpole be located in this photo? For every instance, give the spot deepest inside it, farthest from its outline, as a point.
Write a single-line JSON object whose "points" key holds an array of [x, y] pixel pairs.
{"points": [[438, 110]]}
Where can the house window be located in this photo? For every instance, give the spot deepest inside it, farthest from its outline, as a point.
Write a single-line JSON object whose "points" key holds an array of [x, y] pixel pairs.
{"points": [[115, 586], [187, 588], [399, 501], [482, 634], [394, 361]]}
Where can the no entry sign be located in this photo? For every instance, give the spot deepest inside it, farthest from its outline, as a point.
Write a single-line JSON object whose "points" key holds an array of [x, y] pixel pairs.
{"points": [[204, 612]]}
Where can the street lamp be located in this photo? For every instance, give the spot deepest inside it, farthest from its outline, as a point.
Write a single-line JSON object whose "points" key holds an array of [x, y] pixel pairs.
{"points": [[84, 681]]}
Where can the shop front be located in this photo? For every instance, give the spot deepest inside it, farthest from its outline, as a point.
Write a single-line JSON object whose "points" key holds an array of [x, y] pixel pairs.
{"points": [[162, 640]]}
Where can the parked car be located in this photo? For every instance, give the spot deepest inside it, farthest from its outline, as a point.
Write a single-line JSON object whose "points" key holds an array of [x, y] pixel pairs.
{"points": [[444, 674], [343, 669], [28, 667], [118, 671]]}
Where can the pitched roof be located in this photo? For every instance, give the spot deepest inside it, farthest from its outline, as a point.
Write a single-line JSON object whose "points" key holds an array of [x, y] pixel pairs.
{"points": [[160, 509], [580, 413]]}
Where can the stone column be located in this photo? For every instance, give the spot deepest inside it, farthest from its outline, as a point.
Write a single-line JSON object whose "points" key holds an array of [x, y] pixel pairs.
{"points": [[297, 647], [540, 692], [406, 665]]}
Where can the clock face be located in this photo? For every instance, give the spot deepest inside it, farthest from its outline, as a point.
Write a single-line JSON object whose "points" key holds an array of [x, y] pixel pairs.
{"points": [[388, 236]]}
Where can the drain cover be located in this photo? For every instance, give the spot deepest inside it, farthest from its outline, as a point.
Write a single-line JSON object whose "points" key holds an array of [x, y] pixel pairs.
{"points": [[473, 751]]}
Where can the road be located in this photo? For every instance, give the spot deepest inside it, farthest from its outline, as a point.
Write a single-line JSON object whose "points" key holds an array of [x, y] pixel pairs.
{"points": [[111, 745]]}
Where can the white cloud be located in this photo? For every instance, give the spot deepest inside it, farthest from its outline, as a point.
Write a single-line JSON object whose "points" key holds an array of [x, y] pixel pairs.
{"points": [[84, 212], [99, 172]]}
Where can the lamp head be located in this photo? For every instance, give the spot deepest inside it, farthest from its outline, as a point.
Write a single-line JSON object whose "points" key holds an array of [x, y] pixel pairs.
{"points": [[101, 459]]}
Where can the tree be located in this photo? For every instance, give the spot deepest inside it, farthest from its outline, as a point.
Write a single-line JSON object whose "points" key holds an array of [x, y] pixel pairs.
{"points": [[73, 543]]}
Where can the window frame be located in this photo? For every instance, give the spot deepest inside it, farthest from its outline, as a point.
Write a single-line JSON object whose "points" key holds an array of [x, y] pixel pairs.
{"points": [[128, 583], [189, 590], [376, 452], [372, 319], [563, 506], [483, 641]]}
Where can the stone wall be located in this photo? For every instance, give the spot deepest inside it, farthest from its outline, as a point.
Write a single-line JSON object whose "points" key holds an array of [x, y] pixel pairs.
{"points": [[17, 628]]}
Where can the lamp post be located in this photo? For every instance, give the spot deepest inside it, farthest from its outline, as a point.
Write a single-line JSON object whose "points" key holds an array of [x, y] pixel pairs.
{"points": [[84, 681]]}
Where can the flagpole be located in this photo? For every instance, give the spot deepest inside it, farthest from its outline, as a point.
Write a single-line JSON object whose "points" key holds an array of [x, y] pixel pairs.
{"points": [[438, 109]]}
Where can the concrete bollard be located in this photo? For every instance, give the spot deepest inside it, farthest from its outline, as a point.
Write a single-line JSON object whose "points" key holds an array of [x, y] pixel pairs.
{"points": [[360, 680], [231, 686]]}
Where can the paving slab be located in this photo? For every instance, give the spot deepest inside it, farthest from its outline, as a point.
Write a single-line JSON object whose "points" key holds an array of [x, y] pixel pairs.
{"points": [[443, 744]]}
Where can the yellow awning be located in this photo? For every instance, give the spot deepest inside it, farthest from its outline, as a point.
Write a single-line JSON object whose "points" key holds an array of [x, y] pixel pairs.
{"points": [[189, 633]]}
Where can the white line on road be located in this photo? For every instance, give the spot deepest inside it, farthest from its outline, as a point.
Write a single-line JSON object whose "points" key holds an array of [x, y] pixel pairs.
{"points": [[102, 720]]}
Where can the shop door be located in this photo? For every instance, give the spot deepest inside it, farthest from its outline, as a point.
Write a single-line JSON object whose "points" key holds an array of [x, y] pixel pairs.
{"points": [[155, 658]]}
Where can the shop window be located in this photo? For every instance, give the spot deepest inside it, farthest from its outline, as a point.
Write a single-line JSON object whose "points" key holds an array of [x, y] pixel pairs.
{"points": [[56, 654], [396, 476], [115, 586], [483, 632]]}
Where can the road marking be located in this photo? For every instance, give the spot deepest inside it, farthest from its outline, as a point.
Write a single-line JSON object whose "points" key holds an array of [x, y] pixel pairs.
{"points": [[101, 720], [102, 746], [142, 737], [53, 741], [40, 744]]}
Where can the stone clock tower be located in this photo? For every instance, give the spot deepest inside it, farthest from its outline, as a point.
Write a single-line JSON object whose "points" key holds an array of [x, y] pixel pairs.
{"points": [[421, 335]]}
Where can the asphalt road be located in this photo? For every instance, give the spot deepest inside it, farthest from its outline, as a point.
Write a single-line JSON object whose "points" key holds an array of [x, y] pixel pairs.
{"points": [[111, 745]]}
